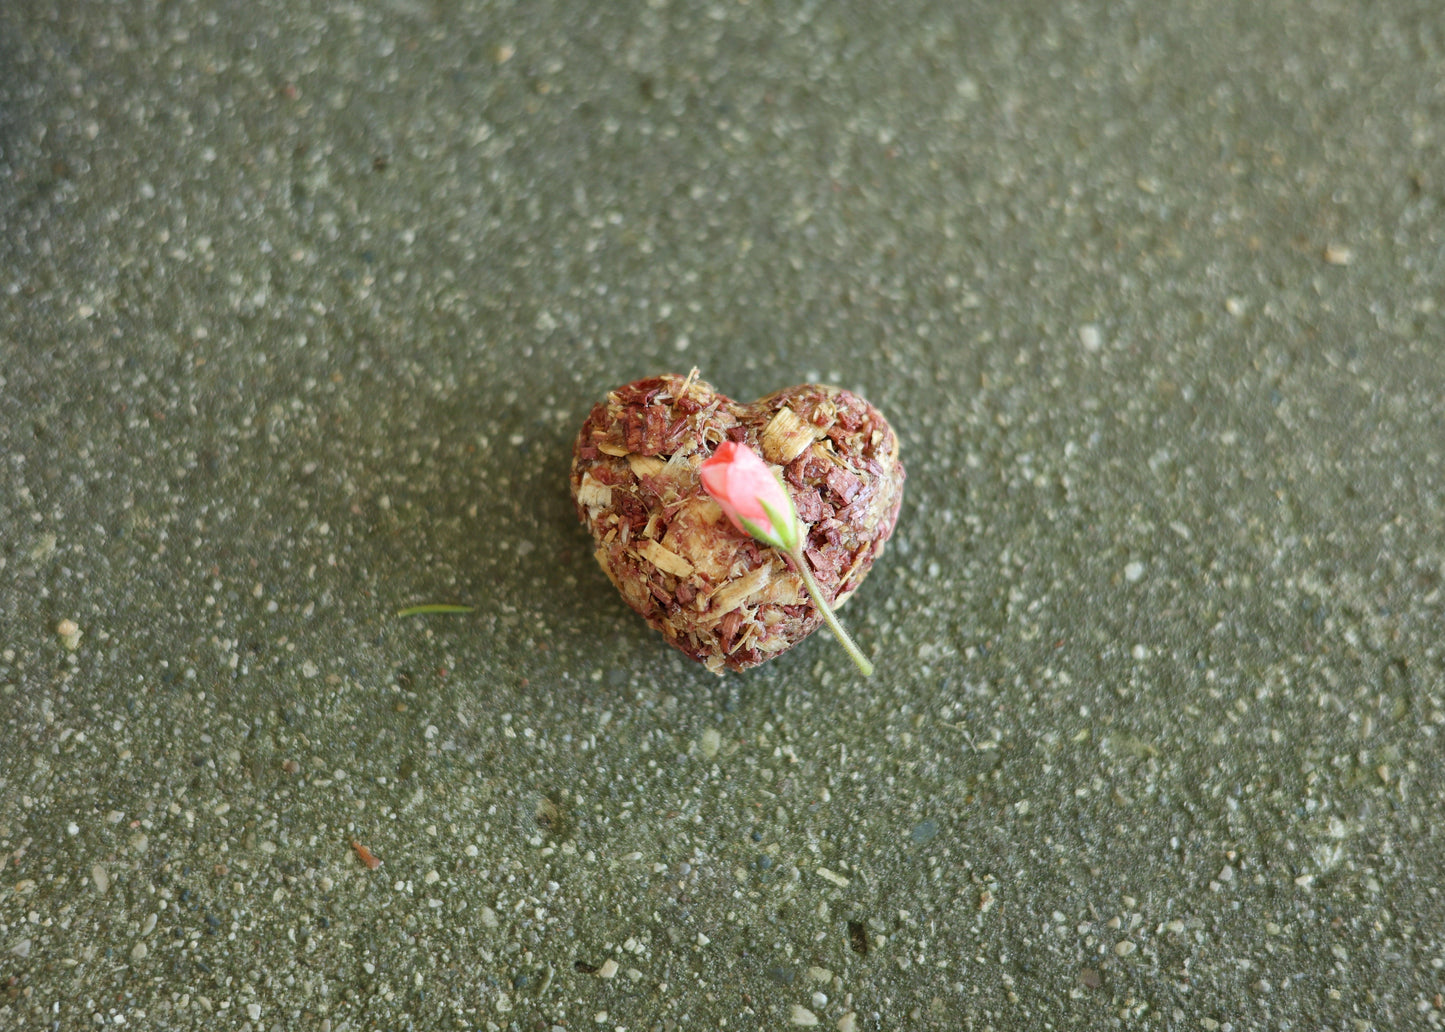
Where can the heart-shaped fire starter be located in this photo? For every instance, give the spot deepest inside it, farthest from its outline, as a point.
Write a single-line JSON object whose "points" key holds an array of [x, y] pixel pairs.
{"points": [[715, 593]]}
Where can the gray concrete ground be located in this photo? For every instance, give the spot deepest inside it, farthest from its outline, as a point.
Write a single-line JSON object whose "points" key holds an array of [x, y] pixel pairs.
{"points": [[302, 304]]}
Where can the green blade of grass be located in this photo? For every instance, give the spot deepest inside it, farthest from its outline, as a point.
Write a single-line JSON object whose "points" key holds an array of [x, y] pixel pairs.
{"points": [[440, 607]]}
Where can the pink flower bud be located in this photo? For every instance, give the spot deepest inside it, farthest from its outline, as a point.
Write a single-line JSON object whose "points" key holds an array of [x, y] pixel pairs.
{"points": [[757, 503], [751, 496]]}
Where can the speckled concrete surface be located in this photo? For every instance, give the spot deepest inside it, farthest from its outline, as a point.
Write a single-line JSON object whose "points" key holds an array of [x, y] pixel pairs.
{"points": [[301, 305]]}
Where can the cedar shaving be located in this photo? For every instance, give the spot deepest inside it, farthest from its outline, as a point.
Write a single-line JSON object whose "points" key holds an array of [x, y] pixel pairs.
{"points": [[735, 592], [785, 437], [645, 465], [592, 494], [668, 562]]}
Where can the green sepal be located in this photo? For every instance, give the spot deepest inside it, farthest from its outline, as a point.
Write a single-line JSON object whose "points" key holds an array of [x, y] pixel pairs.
{"points": [[762, 534], [787, 532]]}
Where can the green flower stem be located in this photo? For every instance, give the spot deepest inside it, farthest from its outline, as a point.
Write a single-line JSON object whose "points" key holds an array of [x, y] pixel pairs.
{"points": [[854, 653]]}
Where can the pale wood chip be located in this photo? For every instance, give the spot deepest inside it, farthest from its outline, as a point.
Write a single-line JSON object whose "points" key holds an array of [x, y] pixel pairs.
{"points": [[735, 592], [772, 643], [696, 533], [664, 559], [645, 465], [786, 436], [786, 590], [825, 415], [593, 494], [680, 459], [749, 633]]}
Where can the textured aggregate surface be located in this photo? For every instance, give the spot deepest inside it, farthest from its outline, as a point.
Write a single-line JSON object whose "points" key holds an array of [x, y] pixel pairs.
{"points": [[301, 305]]}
